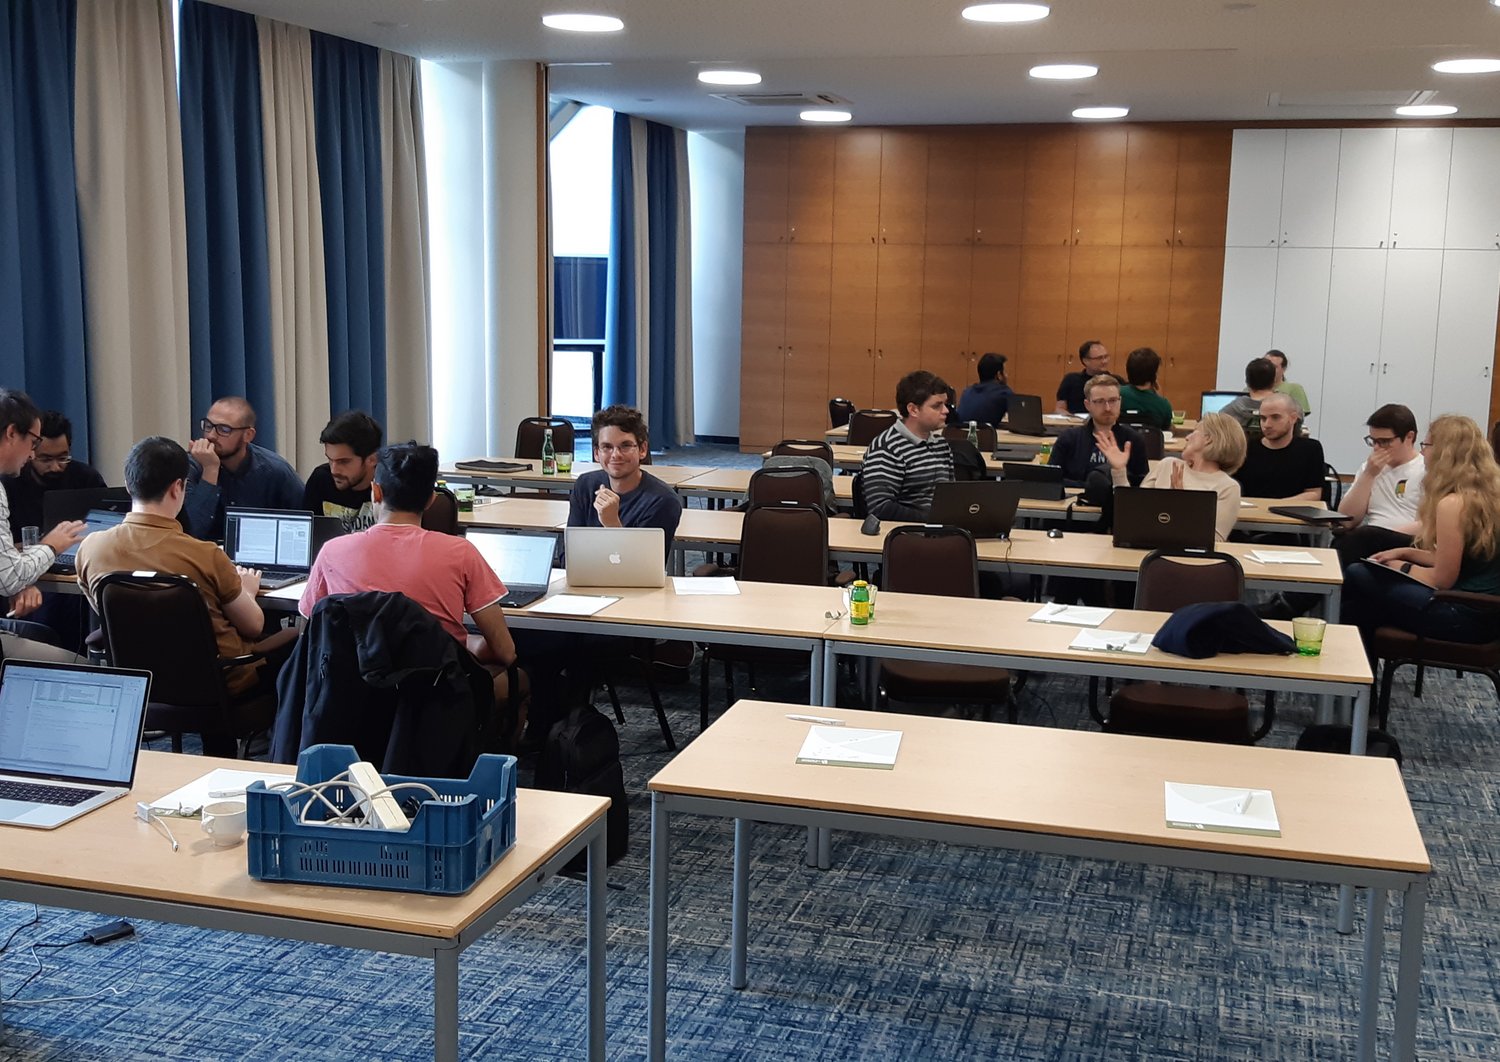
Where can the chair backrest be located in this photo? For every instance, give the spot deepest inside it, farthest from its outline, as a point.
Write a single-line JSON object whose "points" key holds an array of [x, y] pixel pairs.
{"points": [[1333, 487], [160, 623], [772, 486], [441, 513], [960, 433], [839, 411], [804, 448], [968, 463], [784, 543], [1156, 443], [1169, 579], [861, 510], [865, 424], [918, 559], [532, 431]]}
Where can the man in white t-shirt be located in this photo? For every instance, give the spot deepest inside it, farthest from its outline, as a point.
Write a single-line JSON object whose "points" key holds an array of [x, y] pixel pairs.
{"points": [[1386, 490]]}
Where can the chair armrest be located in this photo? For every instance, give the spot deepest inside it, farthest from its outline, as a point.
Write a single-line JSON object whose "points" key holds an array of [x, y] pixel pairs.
{"points": [[1481, 602], [227, 662]]}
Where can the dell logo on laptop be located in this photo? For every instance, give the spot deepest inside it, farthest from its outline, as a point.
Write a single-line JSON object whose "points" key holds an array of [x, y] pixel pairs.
{"points": [[1164, 518], [974, 509]]}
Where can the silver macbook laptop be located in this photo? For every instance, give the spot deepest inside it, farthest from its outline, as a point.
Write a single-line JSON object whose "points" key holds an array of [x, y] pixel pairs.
{"points": [[276, 542], [616, 556], [522, 560], [69, 736]]}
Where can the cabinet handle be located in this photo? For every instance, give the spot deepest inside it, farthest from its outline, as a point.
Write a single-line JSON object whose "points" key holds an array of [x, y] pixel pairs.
{"points": [[1372, 366], [1168, 241], [1384, 365], [789, 351]]}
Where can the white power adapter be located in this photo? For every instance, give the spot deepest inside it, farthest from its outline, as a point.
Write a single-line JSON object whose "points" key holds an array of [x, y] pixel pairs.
{"points": [[381, 809]]}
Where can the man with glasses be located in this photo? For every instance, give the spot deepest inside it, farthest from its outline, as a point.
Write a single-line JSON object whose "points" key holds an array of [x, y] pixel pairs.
{"points": [[909, 459], [229, 469], [622, 493], [52, 467], [1102, 446], [1386, 490], [1094, 357]]}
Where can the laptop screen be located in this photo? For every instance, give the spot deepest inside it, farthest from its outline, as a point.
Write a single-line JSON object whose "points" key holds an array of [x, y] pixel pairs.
{"points": [[71, 721], [269, 538], [97, 520], [519, 558], [1213, 401]]}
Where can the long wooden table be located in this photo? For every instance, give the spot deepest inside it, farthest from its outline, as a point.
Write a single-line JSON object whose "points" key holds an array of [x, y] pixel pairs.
{"points": [[1344, 820], [112, 862], [532, 478], [1054, 423]]}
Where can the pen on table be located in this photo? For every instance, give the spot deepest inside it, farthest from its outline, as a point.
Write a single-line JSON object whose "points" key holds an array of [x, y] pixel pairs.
{"points": [[816, 719]]}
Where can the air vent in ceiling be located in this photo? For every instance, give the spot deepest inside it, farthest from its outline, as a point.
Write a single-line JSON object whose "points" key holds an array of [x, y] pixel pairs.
{"points": [[783, 99], [1383, 100]]}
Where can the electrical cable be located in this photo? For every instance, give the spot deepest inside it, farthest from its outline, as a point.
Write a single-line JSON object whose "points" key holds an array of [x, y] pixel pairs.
{"points": [[36, 916]]}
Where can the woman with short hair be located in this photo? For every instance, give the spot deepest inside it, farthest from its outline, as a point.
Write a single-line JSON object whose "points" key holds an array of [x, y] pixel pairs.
{"points": [[1214, 451]]}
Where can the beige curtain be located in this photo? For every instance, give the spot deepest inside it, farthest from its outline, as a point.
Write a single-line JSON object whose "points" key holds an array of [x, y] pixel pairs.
{"points": [[404, 186], [128, 144], [294, 242]]}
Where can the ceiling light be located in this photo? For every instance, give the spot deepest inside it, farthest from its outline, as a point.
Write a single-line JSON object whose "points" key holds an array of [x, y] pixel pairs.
{"points": [[729, 77], [1101, 112], [1467, 66], [826, 116], [1006, 12], [1426, 110], [583, 23], [1064, 71]]}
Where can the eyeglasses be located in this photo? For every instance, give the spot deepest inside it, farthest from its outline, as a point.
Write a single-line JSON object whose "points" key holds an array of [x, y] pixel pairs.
{"points": [[208, 427], [1389, 440], [35, 437], [1425, 445], [57, 461], [1115, 401], [623, 448]]}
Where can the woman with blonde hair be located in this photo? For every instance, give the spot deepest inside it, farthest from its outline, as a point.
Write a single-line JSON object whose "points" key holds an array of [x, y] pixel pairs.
{"points": [[1457, 546], [1214, 451]]}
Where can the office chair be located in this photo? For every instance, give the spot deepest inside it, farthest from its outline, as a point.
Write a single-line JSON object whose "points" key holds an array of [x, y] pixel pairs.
{"points": [[532, 432], [441, 513]]}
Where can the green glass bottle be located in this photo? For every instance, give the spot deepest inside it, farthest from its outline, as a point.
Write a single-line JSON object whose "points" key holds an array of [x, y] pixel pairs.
{"points": [[549, 455], [859, 603]]}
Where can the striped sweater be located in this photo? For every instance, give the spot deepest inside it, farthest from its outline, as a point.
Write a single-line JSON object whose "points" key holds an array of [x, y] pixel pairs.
{"points": [[900, 470]]}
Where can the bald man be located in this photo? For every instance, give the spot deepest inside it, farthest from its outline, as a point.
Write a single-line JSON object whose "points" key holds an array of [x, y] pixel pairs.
{"points": [[229, 469], [1282, 464]]}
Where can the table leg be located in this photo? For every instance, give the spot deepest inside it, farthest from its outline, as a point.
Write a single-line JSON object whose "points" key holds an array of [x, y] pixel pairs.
{"points": [[810, 857], [1369, 991], [815, 675], [740, 914], [1409, 971], [1359, 732], [597, 877], [445, 1005], [825, 848], [830, 691], [1332, 604], [656, 1036]]}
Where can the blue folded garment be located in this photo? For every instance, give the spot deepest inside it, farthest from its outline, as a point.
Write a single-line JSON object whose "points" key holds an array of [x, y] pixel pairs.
{"points": [[1213, 627]]}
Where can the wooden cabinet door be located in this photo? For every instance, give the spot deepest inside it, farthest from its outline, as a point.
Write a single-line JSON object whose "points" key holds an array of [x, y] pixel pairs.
{"points": [[1202, 187], [1150, 188], [1190, 360], [1042, 351], [999, 186], [765, 185], [1099, 187], [810, 163], [1094, 298], [1051, 156], [898, 317], [903, 187], [762, 344], [1145, 297], [946, 295], [856, 186], [809, 285], [851, 330], [950, 188], [994, 303]]}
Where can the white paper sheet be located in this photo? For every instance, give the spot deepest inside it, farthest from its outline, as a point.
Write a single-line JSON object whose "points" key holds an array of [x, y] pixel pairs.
{"points": [[832, 746], [1111, 641], [707, 587], [189, 800], [1221, 809], [1281, 556], [293, 592], [572, 604], [1071, 615]]}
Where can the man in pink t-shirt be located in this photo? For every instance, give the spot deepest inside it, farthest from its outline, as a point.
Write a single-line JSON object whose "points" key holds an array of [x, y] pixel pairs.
{"points": [[443, 573]]}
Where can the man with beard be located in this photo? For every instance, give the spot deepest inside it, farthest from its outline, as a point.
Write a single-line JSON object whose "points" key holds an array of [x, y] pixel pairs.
{"points": [[341, 488], [229, 469], [52, 467]]}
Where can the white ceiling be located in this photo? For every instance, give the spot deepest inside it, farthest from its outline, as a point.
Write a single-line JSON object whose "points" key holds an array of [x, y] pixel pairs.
{"points": [[917, 62]]}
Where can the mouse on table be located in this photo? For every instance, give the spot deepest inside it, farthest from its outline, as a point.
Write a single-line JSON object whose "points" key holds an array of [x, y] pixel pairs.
{"points": [[1053, 532]]}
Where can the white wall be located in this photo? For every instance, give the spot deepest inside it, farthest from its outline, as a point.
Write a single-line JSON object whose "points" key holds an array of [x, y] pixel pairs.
{"points": [[717, 164]]}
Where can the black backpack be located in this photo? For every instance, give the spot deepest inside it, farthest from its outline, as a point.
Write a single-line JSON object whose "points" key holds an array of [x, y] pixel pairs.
{"points": [[582, 755]]}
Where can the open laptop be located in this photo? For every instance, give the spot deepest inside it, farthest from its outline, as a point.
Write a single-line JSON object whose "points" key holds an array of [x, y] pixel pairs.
{"points": [[1146, 518], [522, 560], [616, 556], [69, 735], [276, 542], [96, 520], [1214, 401], [985, 508], [1042, 482], [1023, 415], [60, 505]]}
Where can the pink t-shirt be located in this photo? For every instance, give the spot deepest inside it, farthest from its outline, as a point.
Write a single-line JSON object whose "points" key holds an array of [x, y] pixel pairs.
{"points": [[443, 573]]}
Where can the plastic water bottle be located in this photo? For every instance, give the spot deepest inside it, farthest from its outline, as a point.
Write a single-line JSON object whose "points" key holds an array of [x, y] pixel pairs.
{"points": [[859, 603], [549, 455]]}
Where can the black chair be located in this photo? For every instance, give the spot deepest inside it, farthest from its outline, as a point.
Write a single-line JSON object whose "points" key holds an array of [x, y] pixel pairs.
{"points": [[1395, 648], [441, 513], [159, 623], [839, 411], [1333, 487], [804, 448], [865, 424], [1155, 442], [532, 432], [772, 486], [636, 657]]}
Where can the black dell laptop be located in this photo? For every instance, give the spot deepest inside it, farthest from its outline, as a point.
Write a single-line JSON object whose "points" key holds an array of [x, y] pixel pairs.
{"points": [[60, 505], [1147, 518], [985, 508], [1023, 415], [1042, 482]]}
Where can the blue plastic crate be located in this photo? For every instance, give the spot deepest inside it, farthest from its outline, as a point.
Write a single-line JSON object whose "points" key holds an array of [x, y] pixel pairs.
{"points": [[452, 842]]}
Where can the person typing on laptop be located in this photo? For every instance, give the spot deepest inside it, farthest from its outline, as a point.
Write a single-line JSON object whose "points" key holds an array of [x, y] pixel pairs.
{"points": [[52, 467], [622, 493]]}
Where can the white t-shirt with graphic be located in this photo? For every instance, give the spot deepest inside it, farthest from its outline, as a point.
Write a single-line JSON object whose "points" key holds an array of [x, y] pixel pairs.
{"points": [[1395, 495]]}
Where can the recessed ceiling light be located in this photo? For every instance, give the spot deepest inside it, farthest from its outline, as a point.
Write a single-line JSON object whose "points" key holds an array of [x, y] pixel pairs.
{"points": [[729, 77], [1006, 12], [826, 116], [1101, 112], [1467, 66], [1064, 71], [1426, 110], [577, 23]]}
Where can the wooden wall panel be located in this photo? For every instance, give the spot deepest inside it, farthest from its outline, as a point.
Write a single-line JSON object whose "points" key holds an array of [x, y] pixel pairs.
{"points": [[762, 339], [804, 402], [810, 168], [851, 331], [1191, 357], [950, 188], [1150, 188], [1051, 155], [1094, 297], [903, 187], [1042, 353], [1203, 187], [898, 317], [1099, 187], [856, 186], [946, 299], [995, 298], [999, 185], [1145, 290], [765, 185]]}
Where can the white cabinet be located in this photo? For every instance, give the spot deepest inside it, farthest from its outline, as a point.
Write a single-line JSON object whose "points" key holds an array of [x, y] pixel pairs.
{"points": [[1466, 334], [1301, 319], [1419, 191], [1408, 329], [1473, 203], [1367, 164], [1309, 183], [1247, 312], [1351, 365], [1255, 168]]}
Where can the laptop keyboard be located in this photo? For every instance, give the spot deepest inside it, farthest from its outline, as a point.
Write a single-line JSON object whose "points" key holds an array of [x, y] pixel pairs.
{"points": [[274, 579], [38, 793]]}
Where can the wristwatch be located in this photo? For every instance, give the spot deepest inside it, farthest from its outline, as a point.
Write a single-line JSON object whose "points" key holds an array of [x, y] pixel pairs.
{"points": [[1406, 568]]}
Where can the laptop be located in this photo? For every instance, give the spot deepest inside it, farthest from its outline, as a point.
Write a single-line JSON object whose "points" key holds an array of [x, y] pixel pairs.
{"points": [[985, 508], [60, 505], [276, 542], [1023, 415], [1042, 482], [522, 560], [1214, 401], [1312, 514], [1146, 518], [69, 736], [616, 556], [96, 520]]}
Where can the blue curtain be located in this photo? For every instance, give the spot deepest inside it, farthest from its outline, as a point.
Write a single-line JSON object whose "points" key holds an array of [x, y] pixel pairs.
{"points": [[229, 298], [661, 214], [579, 293], [41, 268], [621, 310], [346, 106]]}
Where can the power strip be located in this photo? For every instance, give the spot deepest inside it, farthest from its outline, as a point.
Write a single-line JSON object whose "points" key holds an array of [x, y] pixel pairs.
{"points": [[382, 811]]}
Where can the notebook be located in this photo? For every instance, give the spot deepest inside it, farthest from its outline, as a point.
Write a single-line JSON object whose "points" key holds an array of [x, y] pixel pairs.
{"points": [[1023, 415], [276, 542], [616, 556], [69, 736], [96, 520], [985, 508], [522, 560], [1147, 518], [1313, 514]]}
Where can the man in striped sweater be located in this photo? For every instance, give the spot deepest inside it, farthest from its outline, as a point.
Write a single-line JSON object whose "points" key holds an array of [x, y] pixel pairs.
{"points": [[909, 458]]}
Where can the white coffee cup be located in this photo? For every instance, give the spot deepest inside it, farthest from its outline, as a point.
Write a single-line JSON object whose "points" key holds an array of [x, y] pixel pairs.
{"points": [[224, 821]]}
